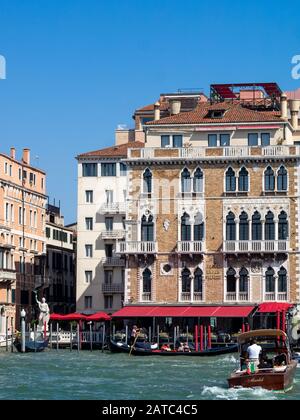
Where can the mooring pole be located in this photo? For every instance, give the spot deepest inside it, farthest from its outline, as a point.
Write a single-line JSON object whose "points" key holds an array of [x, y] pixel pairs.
{"points": [[91, 336], [103, 337], [6, 327], [71, 336], [12, 335], [78, 337], [57, 332], [50, 336], [126, 334], [23, 330], [34, 337]]}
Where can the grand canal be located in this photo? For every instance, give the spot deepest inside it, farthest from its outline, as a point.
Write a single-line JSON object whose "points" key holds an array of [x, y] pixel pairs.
{"points": [[102, 376]]}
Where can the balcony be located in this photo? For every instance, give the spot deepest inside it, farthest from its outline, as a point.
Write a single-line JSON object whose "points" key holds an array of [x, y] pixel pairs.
{"points": [[146, 297], [156, 153], [136, 247], [255, 246], [112, 262], [191, 297], [113, 234], [113, 288], [190, 247], [7, 276], [237, 297], [40, 280], [113, 208], [276, 297]]}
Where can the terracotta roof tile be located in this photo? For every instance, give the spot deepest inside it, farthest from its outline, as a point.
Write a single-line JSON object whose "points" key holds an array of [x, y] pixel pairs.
{"points": [[114, 151], [234, 112]]}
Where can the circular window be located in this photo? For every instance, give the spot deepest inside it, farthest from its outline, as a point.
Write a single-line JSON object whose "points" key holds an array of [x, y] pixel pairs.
{"points": [[167, 268]]}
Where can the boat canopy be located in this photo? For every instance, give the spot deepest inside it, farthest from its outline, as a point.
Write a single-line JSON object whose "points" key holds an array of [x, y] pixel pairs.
{"points": [[244, 337]]}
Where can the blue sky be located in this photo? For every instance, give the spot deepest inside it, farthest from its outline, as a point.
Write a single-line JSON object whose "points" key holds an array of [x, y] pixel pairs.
{"points": [[78, 68]]}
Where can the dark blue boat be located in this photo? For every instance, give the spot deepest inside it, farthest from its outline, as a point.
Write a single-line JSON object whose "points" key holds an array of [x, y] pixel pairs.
{"points": [[32, 346]]}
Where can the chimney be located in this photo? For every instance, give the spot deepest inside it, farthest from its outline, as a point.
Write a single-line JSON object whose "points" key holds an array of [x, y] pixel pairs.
{"points": [[157, 111], [26, 156], [175, 107], [283, 105], [13, 153], [294, 105]]}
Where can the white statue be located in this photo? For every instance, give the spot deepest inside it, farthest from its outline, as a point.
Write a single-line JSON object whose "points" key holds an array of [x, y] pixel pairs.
{"points": [[44, 315]]}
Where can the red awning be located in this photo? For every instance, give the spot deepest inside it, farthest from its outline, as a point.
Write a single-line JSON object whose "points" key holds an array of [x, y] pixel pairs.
{"points": [[184, 311], [56, 317], [99, 316], [274, 307]]}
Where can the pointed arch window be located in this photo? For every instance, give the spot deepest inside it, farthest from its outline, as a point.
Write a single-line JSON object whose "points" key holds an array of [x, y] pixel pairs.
{"points": [[198, 280], [269, 179], [231, 280], [243, 180], [244, 227], [270, 280], [244, 280], [147, 181], [147, 229], [230, 227], [185, 228], [230, 180], [147, 280], [282, 179], [186, 281], [256, 227], [198, 227], [283, 226], [269, 227], [186, 181], [282, 280], [198, 181]]}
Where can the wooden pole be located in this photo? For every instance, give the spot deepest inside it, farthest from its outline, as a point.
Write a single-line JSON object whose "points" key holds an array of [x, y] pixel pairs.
{"points": [[78, 337], [196, 338], [135, 340], [71, 336], [158, 336], [103, 337], [201, 337], [187, 334], [6, 332], [34, 337], [175, 338], [205, 338], [12, 334], [150, 335], [57, 332], [50, 335], [91, 337], [209, 336], [114, 332], [126, 334]]}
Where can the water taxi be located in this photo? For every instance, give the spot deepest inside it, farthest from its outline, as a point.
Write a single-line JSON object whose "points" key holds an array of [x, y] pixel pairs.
{"points": [[276, 368]]}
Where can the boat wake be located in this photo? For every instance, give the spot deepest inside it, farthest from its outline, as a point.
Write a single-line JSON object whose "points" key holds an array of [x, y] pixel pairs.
{"points": [[215, 392]]}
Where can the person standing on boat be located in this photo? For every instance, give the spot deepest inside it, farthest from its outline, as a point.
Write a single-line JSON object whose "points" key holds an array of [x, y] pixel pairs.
{"points": [[253, 351], [134, 333]]}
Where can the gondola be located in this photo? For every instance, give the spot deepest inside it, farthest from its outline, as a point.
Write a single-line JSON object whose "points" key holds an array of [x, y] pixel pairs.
{"points": [[146, 350], [276, 368], [32, 346]]}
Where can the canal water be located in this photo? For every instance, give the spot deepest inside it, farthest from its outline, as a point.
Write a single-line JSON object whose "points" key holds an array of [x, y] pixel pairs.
{"points": [[103, 376]]}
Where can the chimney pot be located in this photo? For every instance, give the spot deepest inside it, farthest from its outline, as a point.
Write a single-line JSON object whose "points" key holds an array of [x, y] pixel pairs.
{"points": [[283, 104], [157, 111], [13, 153], [26, 156], [175, 107]]}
